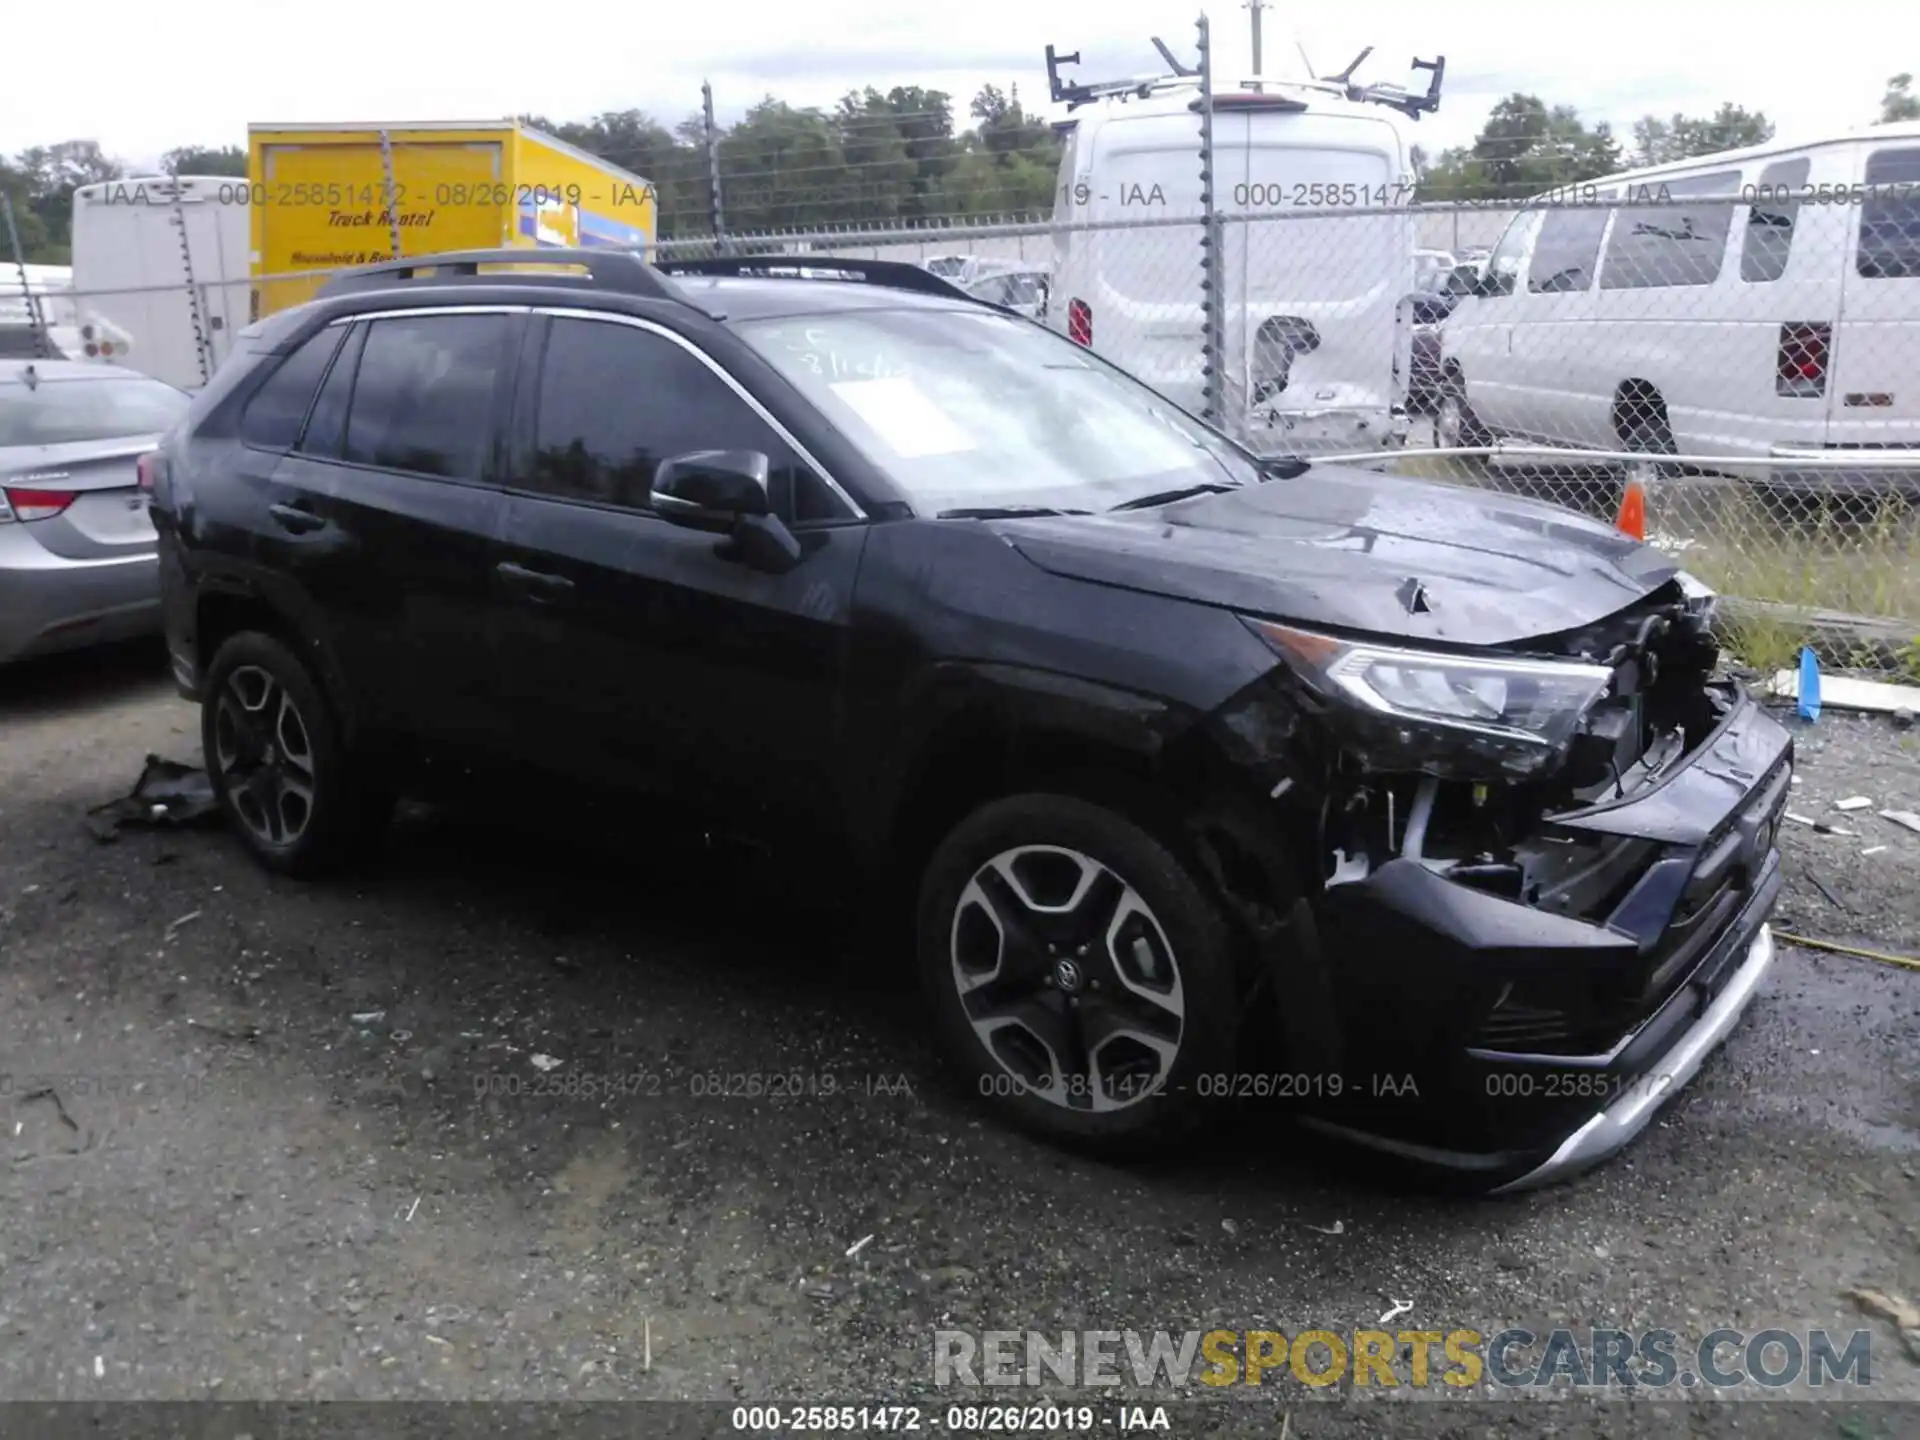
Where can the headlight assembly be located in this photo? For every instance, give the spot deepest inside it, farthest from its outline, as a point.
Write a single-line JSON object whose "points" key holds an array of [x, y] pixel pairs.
{"points": [[1522, 712]]}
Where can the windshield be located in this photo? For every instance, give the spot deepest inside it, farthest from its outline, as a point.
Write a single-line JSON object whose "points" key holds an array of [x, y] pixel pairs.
{"points": [[60, 412], [966, 409]]}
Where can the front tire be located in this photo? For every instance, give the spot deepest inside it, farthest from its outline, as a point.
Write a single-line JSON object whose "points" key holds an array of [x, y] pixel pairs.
{"points": [[1082, 981], [298, 799], [1455, 425]]}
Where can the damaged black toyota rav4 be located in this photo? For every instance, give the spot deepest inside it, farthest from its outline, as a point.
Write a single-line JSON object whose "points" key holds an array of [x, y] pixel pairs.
{"points": [[1417, 805]]}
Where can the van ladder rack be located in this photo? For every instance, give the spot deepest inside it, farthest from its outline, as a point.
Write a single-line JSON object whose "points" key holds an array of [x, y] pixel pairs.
{"points": [[1073, 94], [617, 270]]}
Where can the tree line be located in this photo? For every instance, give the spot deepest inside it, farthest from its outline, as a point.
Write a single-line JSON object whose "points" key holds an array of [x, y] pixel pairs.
{"points": [[902, 157]]}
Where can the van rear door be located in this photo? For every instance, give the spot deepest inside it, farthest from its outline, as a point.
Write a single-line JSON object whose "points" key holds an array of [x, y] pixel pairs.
{"points": [[1873, 389], [1318, 271]]}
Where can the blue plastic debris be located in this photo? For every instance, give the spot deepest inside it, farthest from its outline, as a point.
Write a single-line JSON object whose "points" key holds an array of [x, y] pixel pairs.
{"points": [[1809, 684]]}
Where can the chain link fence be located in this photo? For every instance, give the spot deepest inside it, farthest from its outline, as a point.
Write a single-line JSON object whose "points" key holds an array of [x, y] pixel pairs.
{"points": [[1753, 359]]}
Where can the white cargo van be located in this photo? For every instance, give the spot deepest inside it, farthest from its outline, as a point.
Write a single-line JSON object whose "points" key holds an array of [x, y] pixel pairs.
{"points": [[1758, 303], [160, 265], [1313, 185]]}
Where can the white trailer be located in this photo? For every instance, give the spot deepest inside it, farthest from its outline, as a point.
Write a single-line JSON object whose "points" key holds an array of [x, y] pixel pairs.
{"points": [[161, 273]]}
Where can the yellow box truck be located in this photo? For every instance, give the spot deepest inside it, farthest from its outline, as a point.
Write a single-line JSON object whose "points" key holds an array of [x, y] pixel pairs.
{"points": [[320, 197]]}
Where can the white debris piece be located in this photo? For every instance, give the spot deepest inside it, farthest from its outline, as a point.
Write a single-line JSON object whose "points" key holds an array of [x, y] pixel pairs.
{"points": [[1904, 818], [1852, 802], [1841, 692], [545, 1062]]}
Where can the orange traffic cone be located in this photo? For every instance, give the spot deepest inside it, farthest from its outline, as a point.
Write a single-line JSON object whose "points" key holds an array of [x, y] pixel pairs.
{"points": [[1633, 509]]}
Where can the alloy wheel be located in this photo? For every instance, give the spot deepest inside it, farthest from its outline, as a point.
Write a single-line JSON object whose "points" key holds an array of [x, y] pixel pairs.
{"points": [[264, 752], [1450, 424], [1067, 978]]}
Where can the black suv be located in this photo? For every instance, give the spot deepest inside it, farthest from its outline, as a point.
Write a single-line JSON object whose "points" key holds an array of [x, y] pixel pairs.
{"points": [[1415, 805]]}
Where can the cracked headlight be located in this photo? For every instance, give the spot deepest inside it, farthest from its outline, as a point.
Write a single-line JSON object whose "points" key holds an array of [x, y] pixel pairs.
{"points": [[1512, 704]]}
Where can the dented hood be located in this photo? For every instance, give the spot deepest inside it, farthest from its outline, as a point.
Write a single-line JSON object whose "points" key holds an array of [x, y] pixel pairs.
{"points": [[1356, 551]]}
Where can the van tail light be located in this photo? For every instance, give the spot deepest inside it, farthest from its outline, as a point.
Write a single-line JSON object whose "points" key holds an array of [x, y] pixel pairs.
{"points": [[1806, 354], [1079, 322], [36, 504]]}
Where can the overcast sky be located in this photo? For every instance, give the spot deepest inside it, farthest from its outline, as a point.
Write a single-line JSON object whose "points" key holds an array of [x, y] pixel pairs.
{"points": [[142, 78]]}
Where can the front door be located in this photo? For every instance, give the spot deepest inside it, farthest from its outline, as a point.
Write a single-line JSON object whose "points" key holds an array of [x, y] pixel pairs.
{"points": [[637, 650]]}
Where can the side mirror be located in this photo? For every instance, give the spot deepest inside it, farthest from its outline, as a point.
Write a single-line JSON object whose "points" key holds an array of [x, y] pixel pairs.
{"points": [[724, 492], [712, 489]]}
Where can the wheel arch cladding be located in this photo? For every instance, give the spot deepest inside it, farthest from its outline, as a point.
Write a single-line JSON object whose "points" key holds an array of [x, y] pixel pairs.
{"points": [[222, 612]]}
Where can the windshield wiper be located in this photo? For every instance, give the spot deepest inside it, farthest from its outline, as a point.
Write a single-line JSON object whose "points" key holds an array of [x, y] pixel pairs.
{"points": [[1004, 512], [1167, 497]]}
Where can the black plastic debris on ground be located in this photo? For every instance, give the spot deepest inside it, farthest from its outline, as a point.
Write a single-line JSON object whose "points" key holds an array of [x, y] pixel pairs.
{"points": [[167, 795]]}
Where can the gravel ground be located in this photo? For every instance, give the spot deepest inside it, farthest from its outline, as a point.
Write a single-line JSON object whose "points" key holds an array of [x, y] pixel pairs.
{"points": [[303, 1150]]}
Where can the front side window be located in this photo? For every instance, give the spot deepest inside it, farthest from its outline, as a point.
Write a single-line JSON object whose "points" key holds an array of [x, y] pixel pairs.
{"points": [[615, 401], [424, 395], [1509, 257], [968, 409], [1568, 247]]}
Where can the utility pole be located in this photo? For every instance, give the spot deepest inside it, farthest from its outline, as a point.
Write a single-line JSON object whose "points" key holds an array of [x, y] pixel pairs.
{"points": [[1254, 7]]}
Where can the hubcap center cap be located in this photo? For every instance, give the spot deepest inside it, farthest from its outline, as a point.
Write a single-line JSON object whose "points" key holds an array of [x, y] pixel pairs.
{"points": [[1068, 975]]}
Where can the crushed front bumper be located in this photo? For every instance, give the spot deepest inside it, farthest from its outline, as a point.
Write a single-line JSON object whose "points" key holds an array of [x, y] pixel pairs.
{"points": [[1622, 1006]]}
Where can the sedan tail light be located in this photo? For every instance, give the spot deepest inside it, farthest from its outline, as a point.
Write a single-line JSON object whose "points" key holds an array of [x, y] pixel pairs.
{"points": [[1079, 322], [147, 470], [35, 504]]}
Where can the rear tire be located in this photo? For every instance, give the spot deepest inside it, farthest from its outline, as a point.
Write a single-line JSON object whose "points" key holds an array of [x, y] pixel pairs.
{"points": [[300, 801], [1081, 980]]}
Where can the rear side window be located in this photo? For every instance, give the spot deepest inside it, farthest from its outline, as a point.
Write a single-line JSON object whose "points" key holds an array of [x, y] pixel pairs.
{"points": [[61, 412], [1564, 255], [1770, 220], [274, 415], [326, 431], [1671, 232], [424, 394], [1890, 218]]}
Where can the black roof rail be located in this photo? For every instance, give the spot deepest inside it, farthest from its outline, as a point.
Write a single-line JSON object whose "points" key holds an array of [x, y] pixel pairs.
{"points": [[620, 270], [890, 274]]}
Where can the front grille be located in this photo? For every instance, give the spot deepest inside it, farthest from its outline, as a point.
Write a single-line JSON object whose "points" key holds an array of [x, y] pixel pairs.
{"points": [[1513, 1026]]}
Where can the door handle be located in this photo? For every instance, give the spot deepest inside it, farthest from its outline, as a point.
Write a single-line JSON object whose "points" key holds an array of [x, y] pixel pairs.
{"points": [[294, 519], [537, 582]]}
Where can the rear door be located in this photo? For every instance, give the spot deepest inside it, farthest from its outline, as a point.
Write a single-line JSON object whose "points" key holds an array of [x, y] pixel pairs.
{"points": [[1875, 389], [391, 501], [638, 652]]}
